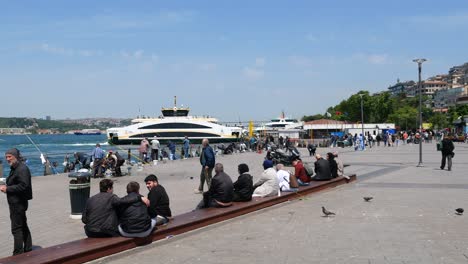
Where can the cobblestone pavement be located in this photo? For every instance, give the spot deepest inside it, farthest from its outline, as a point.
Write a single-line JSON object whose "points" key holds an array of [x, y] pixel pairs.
{"points": [[410, 220]]}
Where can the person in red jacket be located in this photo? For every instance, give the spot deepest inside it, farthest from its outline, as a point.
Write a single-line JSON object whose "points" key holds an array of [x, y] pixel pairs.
{"points": [[299, 171]]}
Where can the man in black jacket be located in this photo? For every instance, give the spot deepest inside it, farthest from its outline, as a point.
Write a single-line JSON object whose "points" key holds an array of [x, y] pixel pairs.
{"points": [[134, 218], [159, 200], [447, 152], [100, 215], [221, 190], [18, 190], [243, 187], [322, 169]]}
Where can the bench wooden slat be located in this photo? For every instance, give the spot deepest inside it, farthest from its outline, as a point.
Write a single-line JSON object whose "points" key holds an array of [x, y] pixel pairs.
{"points": [[88, 249]]}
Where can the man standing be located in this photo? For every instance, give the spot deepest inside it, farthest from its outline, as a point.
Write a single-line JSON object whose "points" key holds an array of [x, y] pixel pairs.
{"points": [[18, 190], [221, 190], [159, 200], [155, 149], [186, 147], [97, 155], [207, 161], [447, 152]]}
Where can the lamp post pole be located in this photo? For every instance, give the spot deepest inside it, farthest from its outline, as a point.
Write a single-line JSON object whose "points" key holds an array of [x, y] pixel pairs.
{"points": [[362, 117], [420, 62]]}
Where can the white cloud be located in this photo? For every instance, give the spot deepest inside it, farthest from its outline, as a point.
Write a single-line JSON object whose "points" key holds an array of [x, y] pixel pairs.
{"points": [[207, 66], [45, 47], [138, 54], [260, 62], [439, 21], [154, 58], [376, 59], [300, 61], [311, 37], [253, 73]]}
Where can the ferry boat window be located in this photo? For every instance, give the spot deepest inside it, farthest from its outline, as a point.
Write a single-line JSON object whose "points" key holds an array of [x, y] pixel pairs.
{"points": [[175, 134], [175, 126]]}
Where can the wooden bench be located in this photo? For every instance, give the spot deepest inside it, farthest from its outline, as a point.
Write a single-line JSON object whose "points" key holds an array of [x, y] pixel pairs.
{"points": [[88, 249]]}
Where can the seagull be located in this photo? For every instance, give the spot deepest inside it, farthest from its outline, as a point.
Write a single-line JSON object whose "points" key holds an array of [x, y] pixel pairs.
{"points": [[368, 198], [459, 211], [326, 212]]}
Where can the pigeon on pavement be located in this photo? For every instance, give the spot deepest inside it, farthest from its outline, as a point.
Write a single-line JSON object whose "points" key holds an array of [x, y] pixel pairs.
{"points": [[368, 198], [326, 212], [459, 211]]}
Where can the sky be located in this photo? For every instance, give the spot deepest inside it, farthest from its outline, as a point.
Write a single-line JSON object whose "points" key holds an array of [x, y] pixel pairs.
{"points": [[235, 60]]}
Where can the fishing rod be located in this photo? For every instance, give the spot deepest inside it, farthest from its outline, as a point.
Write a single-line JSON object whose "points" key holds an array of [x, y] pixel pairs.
{"points": [[43, 157]]}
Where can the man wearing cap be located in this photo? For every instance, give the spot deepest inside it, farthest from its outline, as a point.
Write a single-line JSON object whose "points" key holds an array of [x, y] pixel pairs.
{"points": [[18, 190], [159, 200]]}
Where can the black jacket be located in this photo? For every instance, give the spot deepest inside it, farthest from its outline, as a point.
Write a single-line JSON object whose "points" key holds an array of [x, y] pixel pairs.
{"points": [[221, 188], [100, 214], [243, 188], [134, 217], [322, 170], [447, 146], [159, 202], [19, 188], [333, 168]]}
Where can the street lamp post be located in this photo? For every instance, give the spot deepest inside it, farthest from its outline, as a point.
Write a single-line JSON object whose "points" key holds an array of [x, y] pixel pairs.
{"points": [[420, 62], [362, 118]]}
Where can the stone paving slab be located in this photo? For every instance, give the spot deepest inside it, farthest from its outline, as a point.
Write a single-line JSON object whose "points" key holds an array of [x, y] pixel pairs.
{"points": [[411, 222]]}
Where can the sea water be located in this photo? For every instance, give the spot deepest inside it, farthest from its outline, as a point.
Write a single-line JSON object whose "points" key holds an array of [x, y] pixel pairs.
{"points": [[56, 147]]}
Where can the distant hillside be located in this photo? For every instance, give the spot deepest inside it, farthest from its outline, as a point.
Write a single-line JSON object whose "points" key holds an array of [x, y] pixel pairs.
{"points": [[33, 124]]}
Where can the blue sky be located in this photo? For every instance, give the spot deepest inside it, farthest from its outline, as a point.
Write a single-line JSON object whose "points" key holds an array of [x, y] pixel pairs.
{"points": [[230, 59]]}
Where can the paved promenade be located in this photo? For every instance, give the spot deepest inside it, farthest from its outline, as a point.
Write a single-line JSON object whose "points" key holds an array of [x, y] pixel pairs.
{"points": [[410, 220]]}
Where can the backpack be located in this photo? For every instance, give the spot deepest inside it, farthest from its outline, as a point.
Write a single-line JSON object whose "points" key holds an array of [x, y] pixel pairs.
{"points": [[293, 181], [309, 168]]}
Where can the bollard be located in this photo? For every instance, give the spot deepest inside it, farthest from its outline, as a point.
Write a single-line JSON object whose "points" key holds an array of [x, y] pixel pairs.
{"points": [[129, 155]]}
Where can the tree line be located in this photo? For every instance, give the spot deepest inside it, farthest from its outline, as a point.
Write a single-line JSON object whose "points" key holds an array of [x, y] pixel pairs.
{"points": [[385, 108]]}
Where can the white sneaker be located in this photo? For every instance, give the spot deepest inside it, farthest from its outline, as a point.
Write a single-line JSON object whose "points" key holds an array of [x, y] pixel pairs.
{"points": [[197, 191]]}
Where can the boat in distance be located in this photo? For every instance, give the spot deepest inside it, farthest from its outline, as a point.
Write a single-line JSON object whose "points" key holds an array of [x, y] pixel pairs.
{"points": [[173, 125], [88, 132]]}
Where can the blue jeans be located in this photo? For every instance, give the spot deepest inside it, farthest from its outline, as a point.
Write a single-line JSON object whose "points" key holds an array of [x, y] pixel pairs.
{"points": [[303, 183], [186, 152]]}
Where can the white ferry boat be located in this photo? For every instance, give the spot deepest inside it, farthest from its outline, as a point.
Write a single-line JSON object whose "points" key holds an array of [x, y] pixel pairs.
{"points": [[174, 124], [280, 123]]}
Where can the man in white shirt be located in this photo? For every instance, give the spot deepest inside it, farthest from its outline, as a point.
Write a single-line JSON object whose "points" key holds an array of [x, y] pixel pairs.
{"points": [[283, 179], [155, 149]]}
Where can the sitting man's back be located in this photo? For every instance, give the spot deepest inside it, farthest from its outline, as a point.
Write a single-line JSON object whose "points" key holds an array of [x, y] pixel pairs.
{"points": [[322, 169], [100, 215], [134, 218], [221, 190]]}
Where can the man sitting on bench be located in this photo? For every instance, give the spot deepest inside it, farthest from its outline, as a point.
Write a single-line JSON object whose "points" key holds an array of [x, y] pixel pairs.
{"points": [[322, 169], [221, 190], [159, 200], [100, 215], [134, 218]]}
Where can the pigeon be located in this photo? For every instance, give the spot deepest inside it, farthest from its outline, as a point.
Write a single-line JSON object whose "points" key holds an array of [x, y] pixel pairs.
{"points": [[326, 212], [368, 198], [459, 211]]}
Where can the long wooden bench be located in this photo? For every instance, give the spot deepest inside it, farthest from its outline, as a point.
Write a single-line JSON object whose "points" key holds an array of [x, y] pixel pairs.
{"points": [[88, 249]]}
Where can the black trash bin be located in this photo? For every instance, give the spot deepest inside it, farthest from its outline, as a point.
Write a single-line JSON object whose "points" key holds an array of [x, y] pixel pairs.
{"points": [[79, 192]]}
